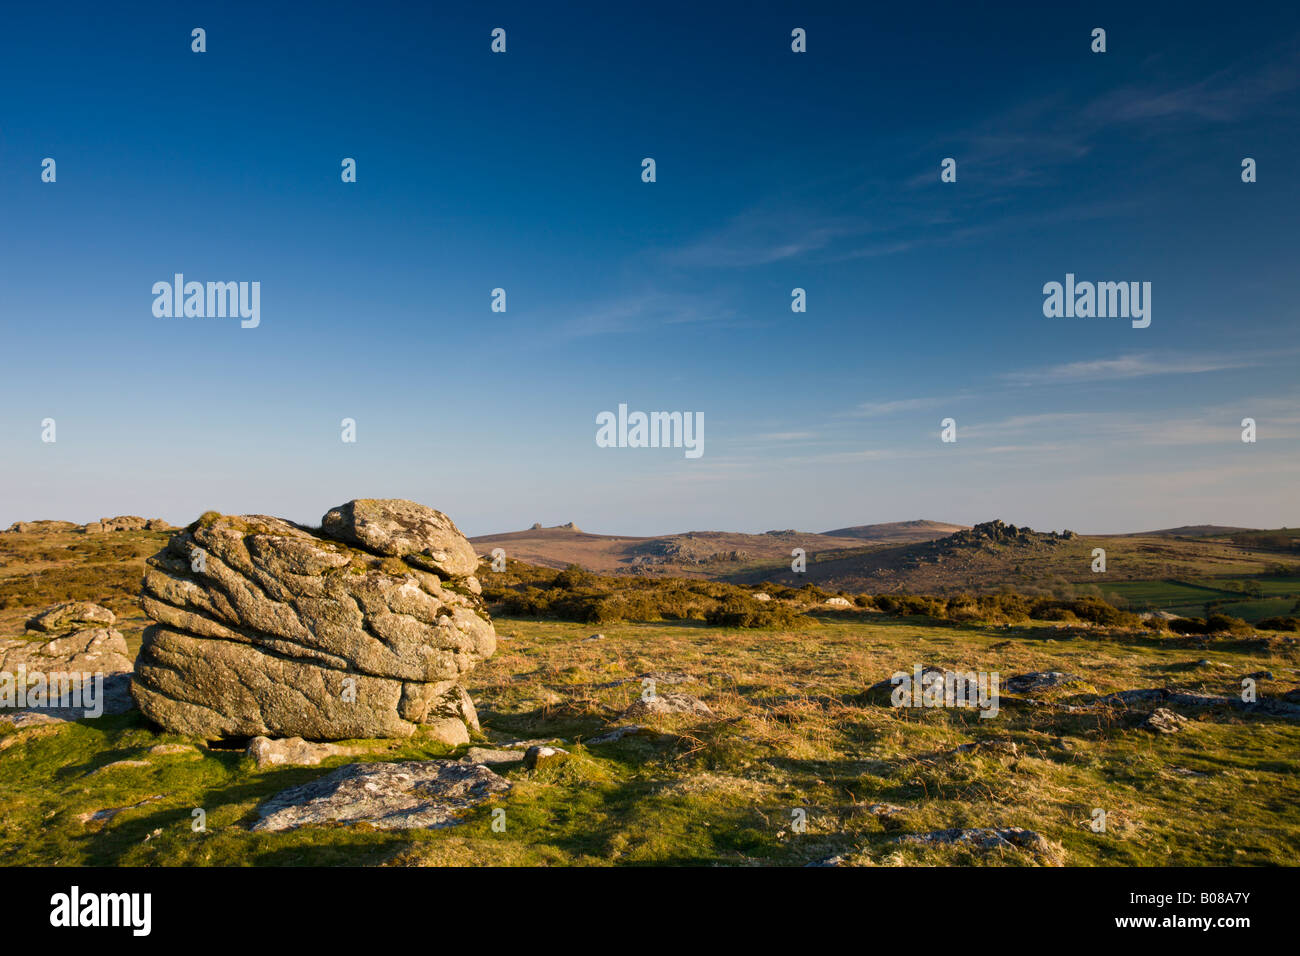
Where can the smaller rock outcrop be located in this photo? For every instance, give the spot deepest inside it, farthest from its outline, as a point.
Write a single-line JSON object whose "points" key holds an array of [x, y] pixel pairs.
{"points": [[78, 642], [403, 795]]}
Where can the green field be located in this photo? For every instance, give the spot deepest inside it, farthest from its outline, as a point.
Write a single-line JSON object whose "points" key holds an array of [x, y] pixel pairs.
{"points": [[1189, 598], [794, 729]]}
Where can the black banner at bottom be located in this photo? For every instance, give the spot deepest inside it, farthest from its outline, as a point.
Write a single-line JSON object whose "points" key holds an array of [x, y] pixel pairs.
{"points": [[353, 904]]}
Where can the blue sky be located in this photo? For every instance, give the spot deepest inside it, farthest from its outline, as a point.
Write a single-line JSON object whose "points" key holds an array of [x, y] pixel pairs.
{"points": [[775, 170]]}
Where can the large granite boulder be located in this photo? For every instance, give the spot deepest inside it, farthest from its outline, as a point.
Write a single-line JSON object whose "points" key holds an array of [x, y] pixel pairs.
{"points": [[265, 628]]}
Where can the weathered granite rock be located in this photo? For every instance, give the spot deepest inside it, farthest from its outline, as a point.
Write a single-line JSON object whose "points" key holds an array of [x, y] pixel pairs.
{"points": [[61, 617], [617, 734], [1036, 681], [396, 528], [389, 796], [267, 629], [291, 751], [491, 756], [669, 704], [1164, 721], [125, 523], [37, 527], [993, 838], [542, 756], [54, 668]]}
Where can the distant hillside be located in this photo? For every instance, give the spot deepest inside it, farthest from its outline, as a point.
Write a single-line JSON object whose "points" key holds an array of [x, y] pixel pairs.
{"points": [[691, 554], [1191, 531], [897, 532], [994, 555]]}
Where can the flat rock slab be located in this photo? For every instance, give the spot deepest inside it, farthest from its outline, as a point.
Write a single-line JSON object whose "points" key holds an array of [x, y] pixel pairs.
{"points": [[1038, 681], [618, 733], [292, 751], [1164, 721], [669, 704], [489, 756], [991, 838], [1198, 700], [404, 795]]}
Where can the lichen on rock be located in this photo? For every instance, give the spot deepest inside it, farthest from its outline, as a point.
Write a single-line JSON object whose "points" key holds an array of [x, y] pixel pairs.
{"points": [[266, 628]]}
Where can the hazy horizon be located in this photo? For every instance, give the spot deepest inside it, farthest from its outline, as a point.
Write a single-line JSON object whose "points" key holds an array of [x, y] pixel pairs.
{"points": [[775, 171], [474, 533]]}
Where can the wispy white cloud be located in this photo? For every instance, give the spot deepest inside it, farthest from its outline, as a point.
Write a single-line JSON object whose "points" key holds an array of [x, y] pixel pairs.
{"points": [[646, 310], [896, 406], [1129, 367], [1226, 96], [764, 235]]}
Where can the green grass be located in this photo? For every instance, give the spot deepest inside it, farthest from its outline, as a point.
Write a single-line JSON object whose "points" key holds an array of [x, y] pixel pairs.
{"points": [[1189, 598], [795, 729]]}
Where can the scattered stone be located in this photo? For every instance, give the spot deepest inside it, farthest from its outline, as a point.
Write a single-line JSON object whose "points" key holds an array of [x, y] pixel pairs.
{"points": [[291, 751], [999, 838], [669, 704], [1261, 675], [1198, 700], [618, 733], [266, 629], [24, 732], [671, 678], [761, 596], [926, 671], [594, 637], [525, 744], [1164, 721], [108, 813], [537, 757], [403, 795], [1036, 681], [171, 750], [839, 602], [836, 860], [490, 757]]}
